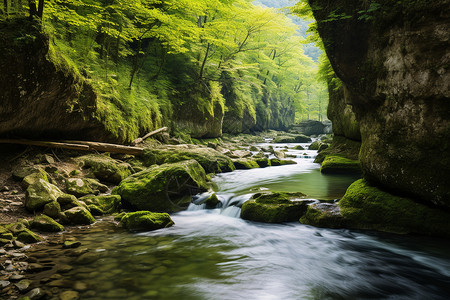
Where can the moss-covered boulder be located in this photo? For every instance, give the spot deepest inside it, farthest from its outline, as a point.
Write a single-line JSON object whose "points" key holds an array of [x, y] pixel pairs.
{"points": [[40, 193], [146, 221], [27, 236], [79, 216], [325, 215], [164, 188], [212, 201], [52, 209], [245, 164], [281, 162], [274, 207], [46, 224], [84, 186], [315, 145], [21, 171], [211, 160], [34, 178], [99, 205], [263, 162], [339, 165], [367, 207], [292, 139], [68, 201], [106, 168]]}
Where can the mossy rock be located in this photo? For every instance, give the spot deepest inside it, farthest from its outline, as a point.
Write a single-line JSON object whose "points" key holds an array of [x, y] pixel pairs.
{"points": [[367, 207], [245, 164], [20, 172], [325, 215], [39, 194], [165, 188], [146, 221], [34, 178], [106, 168], [28, 237], [274, 207], [79, 216], [211, 160], [292, 139], [281, 162], [84, 186], [253, 148], [212, 202], [299, 147], [315, 145], [263, 162], [340, 146], [46, 224], [52, 209], [16, 228], [339, 165], [99, 205], [68, 201]]}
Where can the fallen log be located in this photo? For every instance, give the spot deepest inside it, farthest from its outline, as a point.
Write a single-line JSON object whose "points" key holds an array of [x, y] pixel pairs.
{"points": [[46, 144], [113, 148], [79, 145], [141, 139]]}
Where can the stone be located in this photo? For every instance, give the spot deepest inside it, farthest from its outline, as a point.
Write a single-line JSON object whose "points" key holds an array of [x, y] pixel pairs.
{"points": [[4, 283], [291, 139], [46, 224], [36, 293], [339, 165], [315, 145], [35, 267], [20, 172], [299, 147], [87, 258], [23, 285], [99, 205], [84, 186], [212, 201], [280, 154], [211, 160], [263, 162], [67, 201], [165, 188], [28, 237], [71, 244], [79, 216], [326, 215], [105, 168], [274, 207], [39, 194], [34, 178], [245, 164], [146, 221], [52, 209]]}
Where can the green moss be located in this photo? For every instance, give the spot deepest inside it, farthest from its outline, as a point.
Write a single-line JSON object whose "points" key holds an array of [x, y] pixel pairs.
{"points": [[105, 168], [46, 224], [211, 160], [212, 201], [245, 164], [292, 139], [52, 209], [367, 207], [340, 146], [39, 194], [146, 220], [34, 177], [164, 188], [263, 162], [100, 205], [27, 236], [79, 216], [274, 207], [337, 164], [323, 215]]}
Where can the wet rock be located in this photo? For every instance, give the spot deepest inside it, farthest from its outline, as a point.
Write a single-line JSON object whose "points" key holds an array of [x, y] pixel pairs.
{"points": [[23, 285], [79, 216], [263, 162], [39, 194], [315, 145], [71, 244], [327, 215], [212, 201], [52, 209], [4, 283], [165, 188], [87, 258], [299, 147], [100, 205], [242, 153], [322, 147], [146, 221], [69, 201], [339, 165], [35, 293], [80, 286], [105, 168], [245, 164], [28, 237], [274, 207], [46, 224], [18, 244], [64, 268]]}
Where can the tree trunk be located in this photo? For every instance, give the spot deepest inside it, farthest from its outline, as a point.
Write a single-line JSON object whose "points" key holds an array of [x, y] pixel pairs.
{"points": [[40, 11], [32, 5], [204, 61]]}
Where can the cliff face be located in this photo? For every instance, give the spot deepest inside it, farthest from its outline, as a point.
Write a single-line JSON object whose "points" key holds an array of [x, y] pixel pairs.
{"points": [[394, 62], [41, 96]]}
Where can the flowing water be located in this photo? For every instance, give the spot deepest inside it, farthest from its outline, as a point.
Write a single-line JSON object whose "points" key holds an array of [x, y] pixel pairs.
{"points": [[213, 254]]}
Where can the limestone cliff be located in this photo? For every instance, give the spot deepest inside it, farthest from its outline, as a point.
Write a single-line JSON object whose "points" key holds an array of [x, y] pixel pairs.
{"points": [[41, 96], [393, 58]]}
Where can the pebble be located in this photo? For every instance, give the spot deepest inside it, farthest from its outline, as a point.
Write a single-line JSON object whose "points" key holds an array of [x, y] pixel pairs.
{"points": [[4, 283], [18, 244], [34, 267], [69, 295], [16, 277], [64, 268], [23, 285], [71, 244], [35, 293], [80, 286]]}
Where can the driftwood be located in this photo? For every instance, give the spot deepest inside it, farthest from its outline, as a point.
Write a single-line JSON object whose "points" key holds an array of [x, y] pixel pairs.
{"points": [[141, 139], [79, 145]]}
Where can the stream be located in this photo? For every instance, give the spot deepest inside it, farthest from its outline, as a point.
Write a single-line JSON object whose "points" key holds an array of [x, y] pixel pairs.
{"points": [[213, 254]]}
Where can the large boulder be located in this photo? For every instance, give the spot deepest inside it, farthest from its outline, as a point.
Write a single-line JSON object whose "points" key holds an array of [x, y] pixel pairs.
{"points": [[40, 193], [99, 205], [146, 221], [84, 186], [164, 188], [309, 127], [274, 207], [211, 160], [79, 216], [292, 139], [400, 99], [337, 165], [106, 168]]}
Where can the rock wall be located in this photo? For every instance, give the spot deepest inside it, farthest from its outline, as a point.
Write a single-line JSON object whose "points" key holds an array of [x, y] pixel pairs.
{"points": [[394, 62], [41, 96]]}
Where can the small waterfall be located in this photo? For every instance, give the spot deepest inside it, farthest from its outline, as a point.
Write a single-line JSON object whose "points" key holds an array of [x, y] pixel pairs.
{"points": [[230, 204]]}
